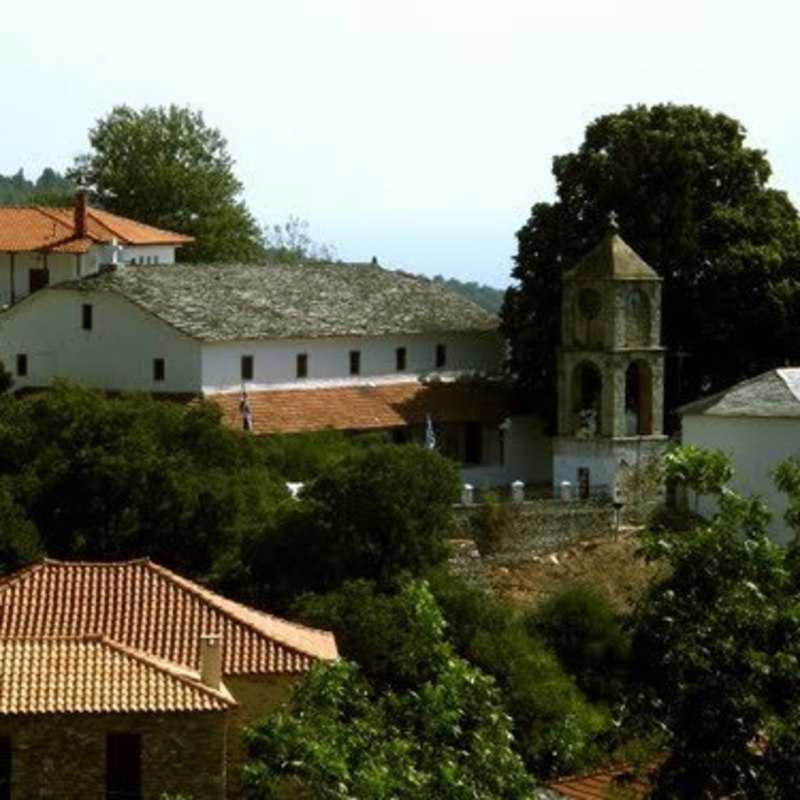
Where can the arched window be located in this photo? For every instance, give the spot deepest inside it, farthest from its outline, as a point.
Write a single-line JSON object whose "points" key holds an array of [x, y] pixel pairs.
{"points": [[638, 399], [637, 319], [587, 397]]}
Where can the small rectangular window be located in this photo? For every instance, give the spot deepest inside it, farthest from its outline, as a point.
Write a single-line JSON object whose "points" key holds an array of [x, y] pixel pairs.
{"points": [[473, 443], [123, 766], [155, 259], [302, 365], [86, 320], [400, 359], [5, 768], [355, 362], [159, 369], [247, 368], [22, 364], [441, 356]]}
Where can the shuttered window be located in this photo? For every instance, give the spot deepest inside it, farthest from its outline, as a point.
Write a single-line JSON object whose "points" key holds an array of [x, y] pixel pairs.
{"points": [[123, 766]]}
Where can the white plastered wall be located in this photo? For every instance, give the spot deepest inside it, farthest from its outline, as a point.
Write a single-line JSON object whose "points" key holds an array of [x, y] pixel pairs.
{"points": [[117, 354], [755, 445], [329, 361]]}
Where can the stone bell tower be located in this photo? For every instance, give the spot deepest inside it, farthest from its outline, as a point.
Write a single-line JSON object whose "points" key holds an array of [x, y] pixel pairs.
{"points": [[610, 367]]}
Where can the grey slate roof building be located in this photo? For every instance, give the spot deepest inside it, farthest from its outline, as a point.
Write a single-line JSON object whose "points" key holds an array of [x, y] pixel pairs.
{"points": [[224, 302], [775, 393]]}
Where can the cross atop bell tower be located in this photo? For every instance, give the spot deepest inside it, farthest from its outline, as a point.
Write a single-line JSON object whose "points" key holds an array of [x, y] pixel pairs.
{"points": [[610, 363]]}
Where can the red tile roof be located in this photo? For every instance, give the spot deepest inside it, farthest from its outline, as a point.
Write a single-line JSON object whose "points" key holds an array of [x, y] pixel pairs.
{"points": [[609, 785], [365, 407], [146, 607], [53, 229], [91, 674]]}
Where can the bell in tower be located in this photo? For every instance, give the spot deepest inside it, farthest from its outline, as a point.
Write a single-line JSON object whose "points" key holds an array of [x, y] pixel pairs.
{"points": [[610, 367]]}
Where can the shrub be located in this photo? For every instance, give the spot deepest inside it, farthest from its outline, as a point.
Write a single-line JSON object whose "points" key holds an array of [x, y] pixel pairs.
{"points": [[446, 735], [490, 523], [383, 512], [557, 730], [587, 635]]}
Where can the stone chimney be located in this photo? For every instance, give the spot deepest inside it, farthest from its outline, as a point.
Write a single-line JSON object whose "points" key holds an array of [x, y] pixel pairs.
{"points": [[211, 660], [80, 213]]}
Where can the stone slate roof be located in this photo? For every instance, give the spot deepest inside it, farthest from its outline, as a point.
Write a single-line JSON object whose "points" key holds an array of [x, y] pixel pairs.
{"points": [[225, 302], [612, 258], [772, 394]]}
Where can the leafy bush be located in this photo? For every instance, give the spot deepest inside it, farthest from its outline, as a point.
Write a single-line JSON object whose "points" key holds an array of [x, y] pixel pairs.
{"points": [[305, 456], [587, 636], [109, 478], [490, 523], [341, 738], [718, 646], [382, 512], [557, 730]]}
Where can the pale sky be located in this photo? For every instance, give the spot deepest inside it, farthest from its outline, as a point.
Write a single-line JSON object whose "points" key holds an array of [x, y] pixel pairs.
{"points": [[417, 131]]}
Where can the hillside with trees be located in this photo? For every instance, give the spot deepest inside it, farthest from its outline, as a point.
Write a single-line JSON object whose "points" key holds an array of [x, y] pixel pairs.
{"points": [[49, 189]]}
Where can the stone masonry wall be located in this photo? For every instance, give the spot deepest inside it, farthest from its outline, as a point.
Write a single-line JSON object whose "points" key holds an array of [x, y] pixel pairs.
{"points": [[256, 695], [63, 756]]}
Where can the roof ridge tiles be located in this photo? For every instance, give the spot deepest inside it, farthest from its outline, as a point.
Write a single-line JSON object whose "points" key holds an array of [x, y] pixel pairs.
{"points": [[229, 608]]}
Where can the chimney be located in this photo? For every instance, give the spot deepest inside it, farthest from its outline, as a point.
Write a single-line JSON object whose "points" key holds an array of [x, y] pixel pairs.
{"points": [[211, 660], [80, 213]]}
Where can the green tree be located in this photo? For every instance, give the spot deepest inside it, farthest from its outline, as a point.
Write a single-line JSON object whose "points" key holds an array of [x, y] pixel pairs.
{"points": [[693, 200], [588, 637], [108, 478], [718, 657], [168, 168], [341, 739], [379, 513], [291, 243], [19, 539]]}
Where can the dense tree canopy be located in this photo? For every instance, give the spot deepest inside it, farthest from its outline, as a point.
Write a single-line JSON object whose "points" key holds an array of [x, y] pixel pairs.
{"points": [[49, 189], [445, 735], [718, 653], [694, 201], [168, 168]]}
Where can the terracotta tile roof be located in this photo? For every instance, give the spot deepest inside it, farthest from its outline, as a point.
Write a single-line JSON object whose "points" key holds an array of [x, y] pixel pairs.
{"points": [[35, 228], [610, 785], [91, 674], [145, 606], [366, 407]]}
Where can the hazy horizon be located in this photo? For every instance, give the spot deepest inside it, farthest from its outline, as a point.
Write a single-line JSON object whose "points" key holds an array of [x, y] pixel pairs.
{"points": [[420, 132]]}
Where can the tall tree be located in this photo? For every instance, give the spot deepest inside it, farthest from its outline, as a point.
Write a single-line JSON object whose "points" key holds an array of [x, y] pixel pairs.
{"points": [[694, 201], [168, 168], [717, 644]]}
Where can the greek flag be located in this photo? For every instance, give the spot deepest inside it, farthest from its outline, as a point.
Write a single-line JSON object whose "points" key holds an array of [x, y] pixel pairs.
{"points": [[430, 433]]}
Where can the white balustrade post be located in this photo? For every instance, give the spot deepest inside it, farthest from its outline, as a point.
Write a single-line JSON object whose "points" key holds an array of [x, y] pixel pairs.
{"points": [[467, 494], [518, 492]]}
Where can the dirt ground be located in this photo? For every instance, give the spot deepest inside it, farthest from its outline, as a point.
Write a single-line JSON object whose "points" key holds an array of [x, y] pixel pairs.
{"points": [[608, 564]]}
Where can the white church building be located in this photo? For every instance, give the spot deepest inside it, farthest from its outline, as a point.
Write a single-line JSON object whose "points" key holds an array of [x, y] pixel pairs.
{"points": [[351, 347]]}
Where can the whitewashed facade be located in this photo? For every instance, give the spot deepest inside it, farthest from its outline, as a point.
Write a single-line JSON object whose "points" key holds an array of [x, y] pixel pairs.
{"points": [[757, 424]]}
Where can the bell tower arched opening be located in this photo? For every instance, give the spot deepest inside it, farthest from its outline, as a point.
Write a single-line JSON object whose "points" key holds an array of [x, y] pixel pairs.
{"points": [[587, 394], [638, 399]]}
